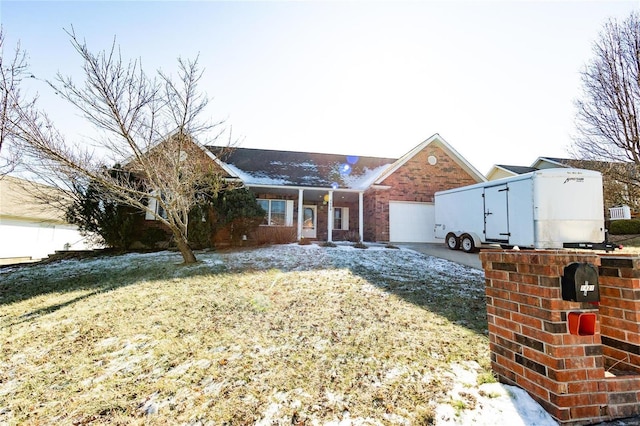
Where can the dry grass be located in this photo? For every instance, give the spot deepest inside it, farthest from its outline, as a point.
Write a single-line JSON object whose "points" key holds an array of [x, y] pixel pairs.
{"points": [[631, 243], [312, 337]]}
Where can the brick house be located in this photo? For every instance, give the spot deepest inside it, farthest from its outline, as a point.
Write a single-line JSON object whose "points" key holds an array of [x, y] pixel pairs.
{"points": [[334, 197]]}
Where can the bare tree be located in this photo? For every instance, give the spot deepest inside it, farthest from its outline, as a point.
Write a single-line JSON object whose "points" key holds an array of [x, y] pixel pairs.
{"points": [[149, 126], [608, 120], [13, 68], [618, 182]]}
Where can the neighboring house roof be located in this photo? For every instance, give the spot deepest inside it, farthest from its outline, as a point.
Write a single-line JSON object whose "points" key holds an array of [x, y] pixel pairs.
{"points": [[548, 162], [435, 140], [518, 170], [300, 169], [17, 201], [499, 171], [558, 160]]}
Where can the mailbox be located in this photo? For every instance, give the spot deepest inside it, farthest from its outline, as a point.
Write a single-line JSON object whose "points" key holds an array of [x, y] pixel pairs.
{"points": [[580, 283]]}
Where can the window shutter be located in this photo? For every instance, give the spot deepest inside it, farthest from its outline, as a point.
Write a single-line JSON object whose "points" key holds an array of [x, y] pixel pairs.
{"points": [[288, 217], [153, 206], [345, 218]]}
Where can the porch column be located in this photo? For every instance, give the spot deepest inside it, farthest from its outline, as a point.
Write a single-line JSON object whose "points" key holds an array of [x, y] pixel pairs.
{"points": [[360, 216], [330, 218], [300, 213]]}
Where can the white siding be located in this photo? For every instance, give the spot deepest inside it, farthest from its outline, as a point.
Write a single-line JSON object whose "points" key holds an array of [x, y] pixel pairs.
{"points": [[37, 240]]}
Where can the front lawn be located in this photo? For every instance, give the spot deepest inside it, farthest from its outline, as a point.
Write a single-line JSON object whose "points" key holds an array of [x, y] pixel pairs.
{"points": [[284, 335]]}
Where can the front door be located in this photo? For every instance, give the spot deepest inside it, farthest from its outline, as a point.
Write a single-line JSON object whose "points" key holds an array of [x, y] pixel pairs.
{"points": [[309, 221]]}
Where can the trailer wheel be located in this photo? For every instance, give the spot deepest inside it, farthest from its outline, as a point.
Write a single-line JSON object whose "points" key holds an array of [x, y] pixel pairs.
{"points": [[452, 241], [467, 244]]}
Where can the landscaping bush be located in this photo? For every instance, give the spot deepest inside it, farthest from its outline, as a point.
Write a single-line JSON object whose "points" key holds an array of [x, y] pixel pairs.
{"points": [[274, 235], [625, 226], [155, 238], [97, 215], [200, 227], [238, 213]]}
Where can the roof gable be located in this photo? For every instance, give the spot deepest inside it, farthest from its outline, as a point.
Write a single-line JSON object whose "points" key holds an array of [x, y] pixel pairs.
{"points": [[437, 140], [549, 162], [301, 169], [517, 169], [499, 171]]}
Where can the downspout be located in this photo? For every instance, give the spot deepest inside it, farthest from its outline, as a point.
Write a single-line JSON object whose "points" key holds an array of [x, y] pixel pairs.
{"points": [[361, 216], [330, 218], [300, 213]]}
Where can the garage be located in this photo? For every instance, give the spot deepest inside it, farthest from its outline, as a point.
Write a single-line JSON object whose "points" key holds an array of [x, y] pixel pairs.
{"points": [[411, 222]]}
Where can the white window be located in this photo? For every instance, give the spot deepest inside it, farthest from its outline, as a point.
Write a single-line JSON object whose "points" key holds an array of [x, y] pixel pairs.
{"points": [[341, 218], [155, 207], [279, 212]]}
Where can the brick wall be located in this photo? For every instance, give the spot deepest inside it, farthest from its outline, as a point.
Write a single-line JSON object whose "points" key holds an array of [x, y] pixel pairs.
{"points": [[570, 375], [416, 180], [620, 312], [376, 215]]}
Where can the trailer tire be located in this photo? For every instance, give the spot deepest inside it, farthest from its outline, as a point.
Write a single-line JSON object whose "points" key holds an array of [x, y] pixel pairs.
{"points": [[467, 244], [452, 241]]}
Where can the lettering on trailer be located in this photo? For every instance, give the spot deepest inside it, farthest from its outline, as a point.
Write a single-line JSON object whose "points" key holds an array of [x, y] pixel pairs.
{"points": [[585, 288], [580, 180]]}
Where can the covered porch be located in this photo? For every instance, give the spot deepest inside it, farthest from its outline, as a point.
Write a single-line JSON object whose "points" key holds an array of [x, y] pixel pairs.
{"points": [[315, 213]]}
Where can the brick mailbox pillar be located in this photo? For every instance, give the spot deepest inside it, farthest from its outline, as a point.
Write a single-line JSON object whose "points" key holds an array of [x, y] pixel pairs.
{"points": [[553, 348]]}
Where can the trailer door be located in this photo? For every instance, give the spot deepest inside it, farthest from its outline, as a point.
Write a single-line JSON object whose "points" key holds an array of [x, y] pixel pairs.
{"points": [[496, 214]]}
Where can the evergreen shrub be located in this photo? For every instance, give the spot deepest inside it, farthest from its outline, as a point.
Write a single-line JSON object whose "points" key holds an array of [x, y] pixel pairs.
{"points": [[624, 227]]}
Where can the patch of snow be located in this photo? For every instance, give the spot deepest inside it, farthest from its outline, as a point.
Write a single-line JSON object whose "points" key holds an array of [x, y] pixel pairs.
{"points": [[214, 388], [212, 261], [150, 406], [359, 421], [366, 179], [394, 373], [256, 180], [488, 404], [109, 341], [179, 370], [203, 364]]}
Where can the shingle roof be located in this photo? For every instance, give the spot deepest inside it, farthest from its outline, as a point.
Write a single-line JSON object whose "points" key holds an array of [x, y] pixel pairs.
{"points": [[517, 169], [301, 169], [558, 159]]}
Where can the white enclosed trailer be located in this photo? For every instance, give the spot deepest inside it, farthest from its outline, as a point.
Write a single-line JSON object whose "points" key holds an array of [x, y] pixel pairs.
{"points": [[550, 208]]}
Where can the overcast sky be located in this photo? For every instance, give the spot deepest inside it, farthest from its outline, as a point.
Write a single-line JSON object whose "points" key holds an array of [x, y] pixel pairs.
{"points": [[496, 80]]}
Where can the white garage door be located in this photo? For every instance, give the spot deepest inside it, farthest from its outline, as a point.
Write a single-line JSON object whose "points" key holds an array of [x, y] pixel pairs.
{"points": [[411, 222]]}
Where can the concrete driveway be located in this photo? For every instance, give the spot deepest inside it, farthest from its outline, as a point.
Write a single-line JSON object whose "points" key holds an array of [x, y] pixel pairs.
{"points": [[440, 250]]}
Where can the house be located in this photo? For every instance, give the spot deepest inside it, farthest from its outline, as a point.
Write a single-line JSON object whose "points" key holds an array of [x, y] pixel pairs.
{"points": [[30, 230], [619, 181], [500, 171], [337, 197]]}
